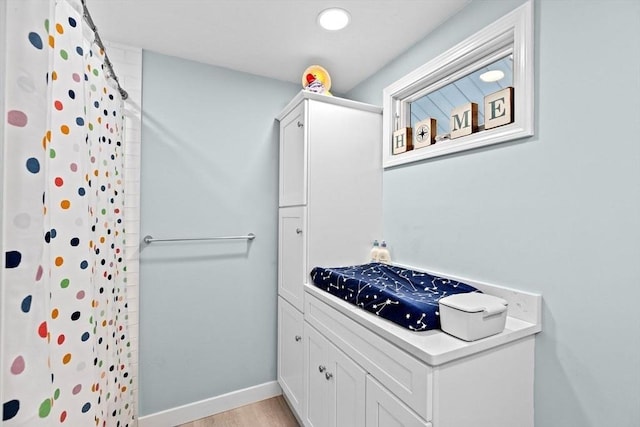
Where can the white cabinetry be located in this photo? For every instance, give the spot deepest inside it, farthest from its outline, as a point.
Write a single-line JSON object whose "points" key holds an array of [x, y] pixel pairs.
{"points": [[334, 385], [330, 199], [293, 163], [330, 164], [386, 410], [290, 351], [292, 268], [480, 384], [339, 366]]}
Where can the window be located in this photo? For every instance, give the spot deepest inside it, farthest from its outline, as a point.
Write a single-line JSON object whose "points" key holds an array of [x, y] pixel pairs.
{"points": [[494, 59]]}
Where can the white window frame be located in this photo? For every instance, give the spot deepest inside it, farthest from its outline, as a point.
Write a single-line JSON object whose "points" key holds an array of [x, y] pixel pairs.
{"points": [[512, 33]]}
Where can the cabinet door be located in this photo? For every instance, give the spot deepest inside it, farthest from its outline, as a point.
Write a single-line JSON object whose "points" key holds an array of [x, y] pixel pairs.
{"points": [[383, 409], [316, 385], [347, 385], [291, 255], [335, 384], [290, 353], [293, 159]]}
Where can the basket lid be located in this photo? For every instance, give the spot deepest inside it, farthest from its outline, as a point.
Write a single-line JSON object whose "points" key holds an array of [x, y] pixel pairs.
{"points": [[475, 302]]}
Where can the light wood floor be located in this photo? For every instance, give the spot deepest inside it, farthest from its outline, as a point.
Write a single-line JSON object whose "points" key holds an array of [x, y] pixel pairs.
{"points": [[272, 412]]}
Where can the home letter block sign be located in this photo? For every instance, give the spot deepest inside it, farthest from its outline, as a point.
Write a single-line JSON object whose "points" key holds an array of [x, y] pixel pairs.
{"points": [[464, 120], [498, 108], [425, 133], [401, 141]]}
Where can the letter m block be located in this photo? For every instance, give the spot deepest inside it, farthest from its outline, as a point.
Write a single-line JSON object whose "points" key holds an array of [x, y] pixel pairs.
{"points": [[464, 120]]}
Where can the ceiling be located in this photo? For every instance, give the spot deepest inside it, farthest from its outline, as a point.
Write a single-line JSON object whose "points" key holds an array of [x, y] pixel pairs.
{"points": [[274, 38]]}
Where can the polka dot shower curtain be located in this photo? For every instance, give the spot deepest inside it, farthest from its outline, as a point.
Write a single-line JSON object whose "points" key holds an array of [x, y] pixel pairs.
{"points": [[65, 346]]}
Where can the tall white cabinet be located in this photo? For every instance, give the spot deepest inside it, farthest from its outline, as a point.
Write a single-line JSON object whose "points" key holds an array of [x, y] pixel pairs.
{"points": [[340, 366], [330, 211]]}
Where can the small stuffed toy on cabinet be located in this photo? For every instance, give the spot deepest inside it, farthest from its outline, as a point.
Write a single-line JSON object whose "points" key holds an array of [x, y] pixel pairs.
{"points": [[316, 79]]}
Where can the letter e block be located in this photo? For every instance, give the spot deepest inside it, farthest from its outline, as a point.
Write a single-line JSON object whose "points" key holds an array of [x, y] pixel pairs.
{"points": [[498, 108], [401, 141], [425, 134], [464, 120]]}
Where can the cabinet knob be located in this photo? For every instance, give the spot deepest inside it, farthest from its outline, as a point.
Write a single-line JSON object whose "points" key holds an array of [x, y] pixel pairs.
{"points": [[298, 338], [328, 375], [300, 124], [322, 368], [298, 230]]}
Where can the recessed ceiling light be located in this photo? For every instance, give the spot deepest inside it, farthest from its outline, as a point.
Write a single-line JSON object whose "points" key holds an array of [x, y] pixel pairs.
{"points": [[334, 19], [491, 76]]}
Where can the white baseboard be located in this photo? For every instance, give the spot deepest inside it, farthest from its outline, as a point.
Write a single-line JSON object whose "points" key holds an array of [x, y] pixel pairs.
{"points": [[207, 407]]}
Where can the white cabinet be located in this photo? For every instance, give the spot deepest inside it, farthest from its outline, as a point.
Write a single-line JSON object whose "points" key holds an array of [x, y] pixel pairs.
{"points": [[402, 374], [291, 350], [338, 392], [292, 267], [334, 385], [315, 387], [491, 386], [330, 164], [386, 410], [330, 199], [339, 366], [292, 159]]}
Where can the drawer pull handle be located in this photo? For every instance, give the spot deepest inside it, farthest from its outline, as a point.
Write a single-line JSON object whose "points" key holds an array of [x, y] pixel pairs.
{"points": [[298, 230], [322, 368], [300, 124], [298, 338], [328, 375]]}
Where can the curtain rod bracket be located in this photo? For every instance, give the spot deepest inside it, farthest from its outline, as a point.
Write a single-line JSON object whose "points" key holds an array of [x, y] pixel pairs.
{"points": [[97, 40]]}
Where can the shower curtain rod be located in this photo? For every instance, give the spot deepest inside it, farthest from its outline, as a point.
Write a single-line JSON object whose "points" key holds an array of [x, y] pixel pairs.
{"points": [[98, 40]]}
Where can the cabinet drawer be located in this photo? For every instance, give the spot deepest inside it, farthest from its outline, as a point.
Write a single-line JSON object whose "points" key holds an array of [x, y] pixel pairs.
{"points": [[385, 410], [402, 374]]}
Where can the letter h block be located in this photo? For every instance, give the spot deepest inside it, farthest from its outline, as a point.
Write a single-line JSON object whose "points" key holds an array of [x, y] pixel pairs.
{"points": [[401, 141]]}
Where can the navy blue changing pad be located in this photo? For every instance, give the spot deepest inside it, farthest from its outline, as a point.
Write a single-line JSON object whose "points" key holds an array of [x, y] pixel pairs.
{"points": [[406, 297]]}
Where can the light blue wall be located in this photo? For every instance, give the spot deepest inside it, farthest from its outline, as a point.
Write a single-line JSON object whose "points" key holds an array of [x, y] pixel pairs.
{"points": [[209, 168], [557, 214]]}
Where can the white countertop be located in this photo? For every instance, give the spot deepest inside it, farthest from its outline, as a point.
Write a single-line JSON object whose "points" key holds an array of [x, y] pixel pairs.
{"points": [[436, 347]]}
